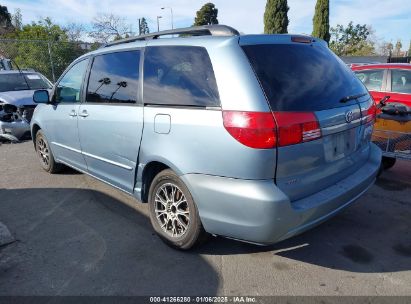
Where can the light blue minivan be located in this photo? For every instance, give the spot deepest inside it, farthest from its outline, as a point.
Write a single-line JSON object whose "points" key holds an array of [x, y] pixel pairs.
{"points": [[252, 137]]}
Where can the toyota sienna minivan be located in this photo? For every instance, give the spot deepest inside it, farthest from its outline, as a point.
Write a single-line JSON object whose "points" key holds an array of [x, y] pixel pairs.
{"points": [[251, 137]]}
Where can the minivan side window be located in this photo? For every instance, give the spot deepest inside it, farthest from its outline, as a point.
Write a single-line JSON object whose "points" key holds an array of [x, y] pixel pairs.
{"points": [[372, 79], [401, 81], [114, 78], [68, 88], [179, 75]]}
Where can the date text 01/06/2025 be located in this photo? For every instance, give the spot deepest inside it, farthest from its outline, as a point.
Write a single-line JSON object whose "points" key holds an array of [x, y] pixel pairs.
{"points": [[202, 299]]}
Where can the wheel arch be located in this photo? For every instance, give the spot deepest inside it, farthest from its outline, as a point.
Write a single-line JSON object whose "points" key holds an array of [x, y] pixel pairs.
{"points": [[35, 128], [150, 170]]}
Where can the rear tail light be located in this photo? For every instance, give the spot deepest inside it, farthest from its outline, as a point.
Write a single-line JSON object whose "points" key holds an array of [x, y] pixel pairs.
{"points": [[252, 129], [296, 127], [371, 113], [260, 130]]}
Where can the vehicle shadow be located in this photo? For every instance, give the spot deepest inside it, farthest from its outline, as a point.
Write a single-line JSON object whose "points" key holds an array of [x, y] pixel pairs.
{"points": [[69, 171], [86, 242], [372, 235]]}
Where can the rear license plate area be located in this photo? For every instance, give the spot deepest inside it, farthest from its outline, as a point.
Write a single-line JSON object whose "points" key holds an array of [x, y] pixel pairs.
{"points": [[340, 145]]}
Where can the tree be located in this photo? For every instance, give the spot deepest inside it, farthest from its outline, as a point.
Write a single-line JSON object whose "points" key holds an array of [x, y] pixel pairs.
{"points": [[43, 29], [390, 48], [107, 27], [275, 17], [74, 31], [5, 21], [50, 52], [143, 27], [409, 50], [17, 19], [321, 20], [398, 47], [385, 49], [206, 15], [351, 40]]}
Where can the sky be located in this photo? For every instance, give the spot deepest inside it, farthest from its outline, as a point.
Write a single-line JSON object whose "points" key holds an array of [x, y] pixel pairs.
{"points": [[391, 20]]}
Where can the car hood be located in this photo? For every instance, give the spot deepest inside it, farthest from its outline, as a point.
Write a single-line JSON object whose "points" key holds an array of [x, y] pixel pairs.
{"points": [[18, 98]]}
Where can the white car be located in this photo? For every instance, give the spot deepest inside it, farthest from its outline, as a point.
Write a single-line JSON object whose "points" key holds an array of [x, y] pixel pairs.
{"points": [[16, 101]]}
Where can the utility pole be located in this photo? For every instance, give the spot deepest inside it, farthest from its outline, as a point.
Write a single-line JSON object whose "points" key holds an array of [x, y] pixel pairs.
{"points": [[51, 62]]}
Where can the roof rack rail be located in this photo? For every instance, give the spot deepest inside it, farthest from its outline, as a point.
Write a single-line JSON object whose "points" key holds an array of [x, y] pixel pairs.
{"points": [[213, 30]]}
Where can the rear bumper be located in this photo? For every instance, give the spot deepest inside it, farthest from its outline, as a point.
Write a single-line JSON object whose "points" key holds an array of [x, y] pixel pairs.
{"points": [[257, 211]]}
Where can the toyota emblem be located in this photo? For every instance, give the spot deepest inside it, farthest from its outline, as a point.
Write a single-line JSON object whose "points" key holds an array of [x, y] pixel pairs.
{"points": [[349, 116]]}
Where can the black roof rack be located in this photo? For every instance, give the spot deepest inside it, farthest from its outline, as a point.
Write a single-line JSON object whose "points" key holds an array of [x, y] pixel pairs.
{"points": [[213, 30]]}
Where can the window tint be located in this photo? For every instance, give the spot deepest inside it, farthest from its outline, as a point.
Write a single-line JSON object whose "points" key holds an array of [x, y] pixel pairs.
{"points": [[114, 78], [12, 82], [401, 81], [300, 77], [19, 82], [37, 81], [68, 89], [372, 79], [179, 75]]}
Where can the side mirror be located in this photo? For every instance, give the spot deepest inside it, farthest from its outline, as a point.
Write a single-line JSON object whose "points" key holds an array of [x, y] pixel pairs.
{"points": [[41, 96]]}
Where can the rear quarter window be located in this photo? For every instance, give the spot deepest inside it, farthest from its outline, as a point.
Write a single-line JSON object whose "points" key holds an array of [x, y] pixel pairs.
{"points": [[302, 77], [179, 75]]}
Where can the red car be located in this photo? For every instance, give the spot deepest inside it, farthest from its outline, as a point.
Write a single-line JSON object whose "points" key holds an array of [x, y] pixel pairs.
{"points": [[387, 79], [393, 80]]}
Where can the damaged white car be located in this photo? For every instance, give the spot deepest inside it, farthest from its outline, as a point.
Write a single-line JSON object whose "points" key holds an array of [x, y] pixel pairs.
{"points": [[16, 102]]}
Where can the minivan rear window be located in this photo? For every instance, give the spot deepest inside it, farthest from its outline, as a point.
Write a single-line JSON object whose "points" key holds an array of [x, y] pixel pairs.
{"points": [[300, 77]]}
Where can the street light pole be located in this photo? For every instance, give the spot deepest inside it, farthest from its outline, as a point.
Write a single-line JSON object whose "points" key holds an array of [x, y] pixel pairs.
{"points": [[158, 23], [172, 16]]}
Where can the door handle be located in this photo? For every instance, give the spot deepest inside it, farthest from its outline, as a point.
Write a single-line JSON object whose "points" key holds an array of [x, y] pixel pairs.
{"points": [[83, 113], [73, 113]]}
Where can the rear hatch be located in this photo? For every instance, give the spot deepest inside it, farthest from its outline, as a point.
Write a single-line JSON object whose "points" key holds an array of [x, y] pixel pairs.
{"points": [[324, 114]]}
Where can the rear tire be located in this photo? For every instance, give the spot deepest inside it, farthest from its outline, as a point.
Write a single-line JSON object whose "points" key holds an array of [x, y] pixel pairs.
{"points": [[45, 155], [173, 213], [388, 162]]}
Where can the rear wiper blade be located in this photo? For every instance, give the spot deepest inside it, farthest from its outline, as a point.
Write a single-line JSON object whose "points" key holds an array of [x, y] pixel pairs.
{"points": [[348, 98]]}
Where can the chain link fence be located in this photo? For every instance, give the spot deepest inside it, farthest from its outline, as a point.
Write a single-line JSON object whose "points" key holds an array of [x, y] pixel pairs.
{"points": [[393, 144], [47, 57]]}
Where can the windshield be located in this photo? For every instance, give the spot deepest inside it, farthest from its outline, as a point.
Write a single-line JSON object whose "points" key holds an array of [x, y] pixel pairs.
{"points": [[299, 77], [16, 82]]}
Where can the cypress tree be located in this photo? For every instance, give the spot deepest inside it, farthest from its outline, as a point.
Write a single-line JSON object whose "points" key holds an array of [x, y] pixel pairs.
{"points": [[321, 20], [144, 29], [275, 17], [206, 15], [398, 47], [5, 20]]}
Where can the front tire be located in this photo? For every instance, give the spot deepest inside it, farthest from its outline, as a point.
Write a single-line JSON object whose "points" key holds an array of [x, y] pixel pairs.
{"points": [[388, 162], [45, 155], [173, 213]]}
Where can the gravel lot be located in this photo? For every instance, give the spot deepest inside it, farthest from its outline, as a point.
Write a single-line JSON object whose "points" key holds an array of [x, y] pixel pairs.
{"points": [[76, 236]]}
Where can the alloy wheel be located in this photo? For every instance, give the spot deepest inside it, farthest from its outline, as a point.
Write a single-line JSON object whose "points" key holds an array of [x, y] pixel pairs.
{"points": [[172, 210], [43, 151]]}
